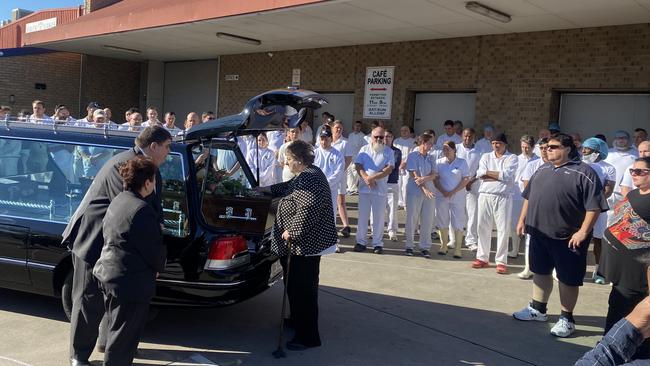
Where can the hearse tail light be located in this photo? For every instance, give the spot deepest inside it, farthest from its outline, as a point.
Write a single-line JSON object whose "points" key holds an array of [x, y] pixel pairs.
{"points": [[227, 252]]}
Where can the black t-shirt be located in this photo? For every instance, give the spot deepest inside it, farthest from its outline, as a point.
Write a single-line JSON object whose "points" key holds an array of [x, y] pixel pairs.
{"points": [[559, 197], [626, 252]]}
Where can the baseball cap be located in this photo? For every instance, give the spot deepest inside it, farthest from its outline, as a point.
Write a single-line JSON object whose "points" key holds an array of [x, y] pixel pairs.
{"points": [[94, 105], [501, 137], [326, 132]]}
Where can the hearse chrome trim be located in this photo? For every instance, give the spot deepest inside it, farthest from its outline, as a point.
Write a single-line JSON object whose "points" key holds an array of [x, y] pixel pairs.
{"points": [[39, 265], [21, 262], [16, 262], [210, 284]]}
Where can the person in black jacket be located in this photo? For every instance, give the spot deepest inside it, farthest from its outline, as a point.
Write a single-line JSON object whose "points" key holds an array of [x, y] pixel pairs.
{"points": [[84, 237], [305, 218], [132, 256]]}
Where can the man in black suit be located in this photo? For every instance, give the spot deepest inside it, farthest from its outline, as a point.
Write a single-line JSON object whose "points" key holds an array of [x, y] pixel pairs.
{"points": [[84, 237]]}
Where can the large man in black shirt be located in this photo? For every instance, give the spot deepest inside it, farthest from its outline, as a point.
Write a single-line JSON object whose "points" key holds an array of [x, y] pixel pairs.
{"points": [[84, 236], [561, 205]]}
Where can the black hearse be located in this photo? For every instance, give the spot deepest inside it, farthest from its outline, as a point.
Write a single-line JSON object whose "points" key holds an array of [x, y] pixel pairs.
{"points": [[216, 227]]}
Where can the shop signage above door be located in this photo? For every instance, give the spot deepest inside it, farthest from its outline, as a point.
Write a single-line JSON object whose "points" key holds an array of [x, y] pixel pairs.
{"points": [[378, 96], [40, 25]]}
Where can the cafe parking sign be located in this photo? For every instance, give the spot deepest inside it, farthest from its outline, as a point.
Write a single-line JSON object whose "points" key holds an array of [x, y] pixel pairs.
{"points": [[378, 96]]}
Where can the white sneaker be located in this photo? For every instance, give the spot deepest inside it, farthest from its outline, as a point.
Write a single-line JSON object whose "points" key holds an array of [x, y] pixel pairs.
{"points": [[563, 328], [472, 247], [392, 236], [528, 313], [524, 275], [451, 245]]}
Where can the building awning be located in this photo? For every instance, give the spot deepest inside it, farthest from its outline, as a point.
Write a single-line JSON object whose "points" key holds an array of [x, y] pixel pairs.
{"points": [[170, 30]]}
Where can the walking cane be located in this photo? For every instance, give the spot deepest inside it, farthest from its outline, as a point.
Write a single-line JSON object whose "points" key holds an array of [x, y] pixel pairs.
{"points": [[279, 352]]}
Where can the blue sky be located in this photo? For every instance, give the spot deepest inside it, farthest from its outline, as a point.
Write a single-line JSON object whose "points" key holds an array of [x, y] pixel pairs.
{"points": [[7, 5]]}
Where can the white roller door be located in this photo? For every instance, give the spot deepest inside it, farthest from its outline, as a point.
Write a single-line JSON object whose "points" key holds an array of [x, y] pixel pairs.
{"points": [[341, 106], [433, 109], [591, 114], [190, 87]]}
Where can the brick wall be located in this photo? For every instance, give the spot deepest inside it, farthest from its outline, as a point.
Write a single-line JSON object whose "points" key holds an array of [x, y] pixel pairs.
{"points": [[92, 5], [59, 71], [114, 83], [517, 77]]}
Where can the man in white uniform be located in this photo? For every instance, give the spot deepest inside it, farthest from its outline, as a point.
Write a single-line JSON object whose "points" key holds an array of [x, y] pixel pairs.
{"points": [[449, 135], [484, 145], [326, 120], [626, 183], [544, 133], [356, 142], [527, 144], [405, 143], [621, 155], [594, 152], [39, 116], [497, 173], [332, 163], [341, 144], [470, 152], [374, 163]]}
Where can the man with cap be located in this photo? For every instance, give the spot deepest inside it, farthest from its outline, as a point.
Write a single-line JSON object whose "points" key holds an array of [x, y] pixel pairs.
{"points": [[497, 172], [332, 163], [88, 120], [594, 153], [621, 156], [484, 145]]}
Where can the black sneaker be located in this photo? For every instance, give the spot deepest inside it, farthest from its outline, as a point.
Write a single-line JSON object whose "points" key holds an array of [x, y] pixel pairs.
{"points": [[435, 236], [409, 252], [359, 248], [425, 253], [345, 232], [378, 250]]}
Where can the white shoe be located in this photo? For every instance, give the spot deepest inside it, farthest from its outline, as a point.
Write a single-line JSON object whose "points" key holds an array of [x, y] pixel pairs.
{"points": [[555, 275], [528, 313], [392, 236], [524, 275], [472, 247], [451, 245], [563, 328]]}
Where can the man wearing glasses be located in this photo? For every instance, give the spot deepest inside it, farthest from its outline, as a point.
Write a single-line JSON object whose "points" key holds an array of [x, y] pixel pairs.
{"points": [[374, 163], [562, 202]]}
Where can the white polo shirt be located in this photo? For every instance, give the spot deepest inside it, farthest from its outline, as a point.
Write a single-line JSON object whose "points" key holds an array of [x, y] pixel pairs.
{"points": [[332, 163], [405, 145], [450, 174], [621, 160], [444, 138], [506, 165], [472, 155], [423, 165], [343, 146], [522, 161], [356, 142], [374, 162]]}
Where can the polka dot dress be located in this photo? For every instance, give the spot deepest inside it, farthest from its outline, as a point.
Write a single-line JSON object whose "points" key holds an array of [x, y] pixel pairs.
{"points": [[306, 212]]}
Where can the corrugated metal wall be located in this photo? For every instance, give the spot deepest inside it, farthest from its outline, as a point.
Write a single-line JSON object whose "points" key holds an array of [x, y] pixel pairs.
{"points": [[11, 35]]}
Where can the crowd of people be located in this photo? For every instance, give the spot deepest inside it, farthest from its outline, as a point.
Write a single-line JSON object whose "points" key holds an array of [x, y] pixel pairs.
{"points": [[556, 197]]}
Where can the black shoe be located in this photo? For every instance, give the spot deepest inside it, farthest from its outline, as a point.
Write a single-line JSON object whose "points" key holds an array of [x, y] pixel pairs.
{"points": [[345, 232], [359, 248], [409, 252], [297, 346], [425, 253], [74, 362], [378, 250], [435, 236]]}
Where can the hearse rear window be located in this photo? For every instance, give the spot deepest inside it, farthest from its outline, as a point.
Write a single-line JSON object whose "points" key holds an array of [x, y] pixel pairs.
{"points": [[47, 180]]}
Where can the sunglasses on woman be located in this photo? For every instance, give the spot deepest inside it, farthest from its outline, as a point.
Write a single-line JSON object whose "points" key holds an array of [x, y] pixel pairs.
{"points": [[639, 172]]}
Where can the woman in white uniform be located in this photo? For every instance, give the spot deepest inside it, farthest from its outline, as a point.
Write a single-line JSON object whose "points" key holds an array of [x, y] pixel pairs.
{"points": [[453, 175], [527, 154], [265, 157], [594, 153], [420, 201]]}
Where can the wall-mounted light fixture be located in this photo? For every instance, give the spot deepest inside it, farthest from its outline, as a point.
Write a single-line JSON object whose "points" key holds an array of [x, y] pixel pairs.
{"points": [[484, 10], [121, 49], [236, 38], [12, 99]]}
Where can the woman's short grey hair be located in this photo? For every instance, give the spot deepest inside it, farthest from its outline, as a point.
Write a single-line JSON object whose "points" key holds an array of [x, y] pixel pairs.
{"points": [[530, 140], [301, 151]]}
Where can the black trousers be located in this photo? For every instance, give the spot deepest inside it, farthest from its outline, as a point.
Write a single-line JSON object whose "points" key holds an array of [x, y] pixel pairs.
{"points": [[302, 290], [126, 321], [621, 302], [87, 310]]}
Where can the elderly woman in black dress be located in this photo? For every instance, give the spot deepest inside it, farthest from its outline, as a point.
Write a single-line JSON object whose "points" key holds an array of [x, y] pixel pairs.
{"points": [[132, 256], [305, 219]]}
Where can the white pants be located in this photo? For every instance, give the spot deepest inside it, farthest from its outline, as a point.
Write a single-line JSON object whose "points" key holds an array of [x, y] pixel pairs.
{"points": [[352, 178], [517, 205], [403, 179], [450, 213], [600, 226], [471, 204], [419, 209], [393, 197], [492, 209], [378, 205], [334, 205]]}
